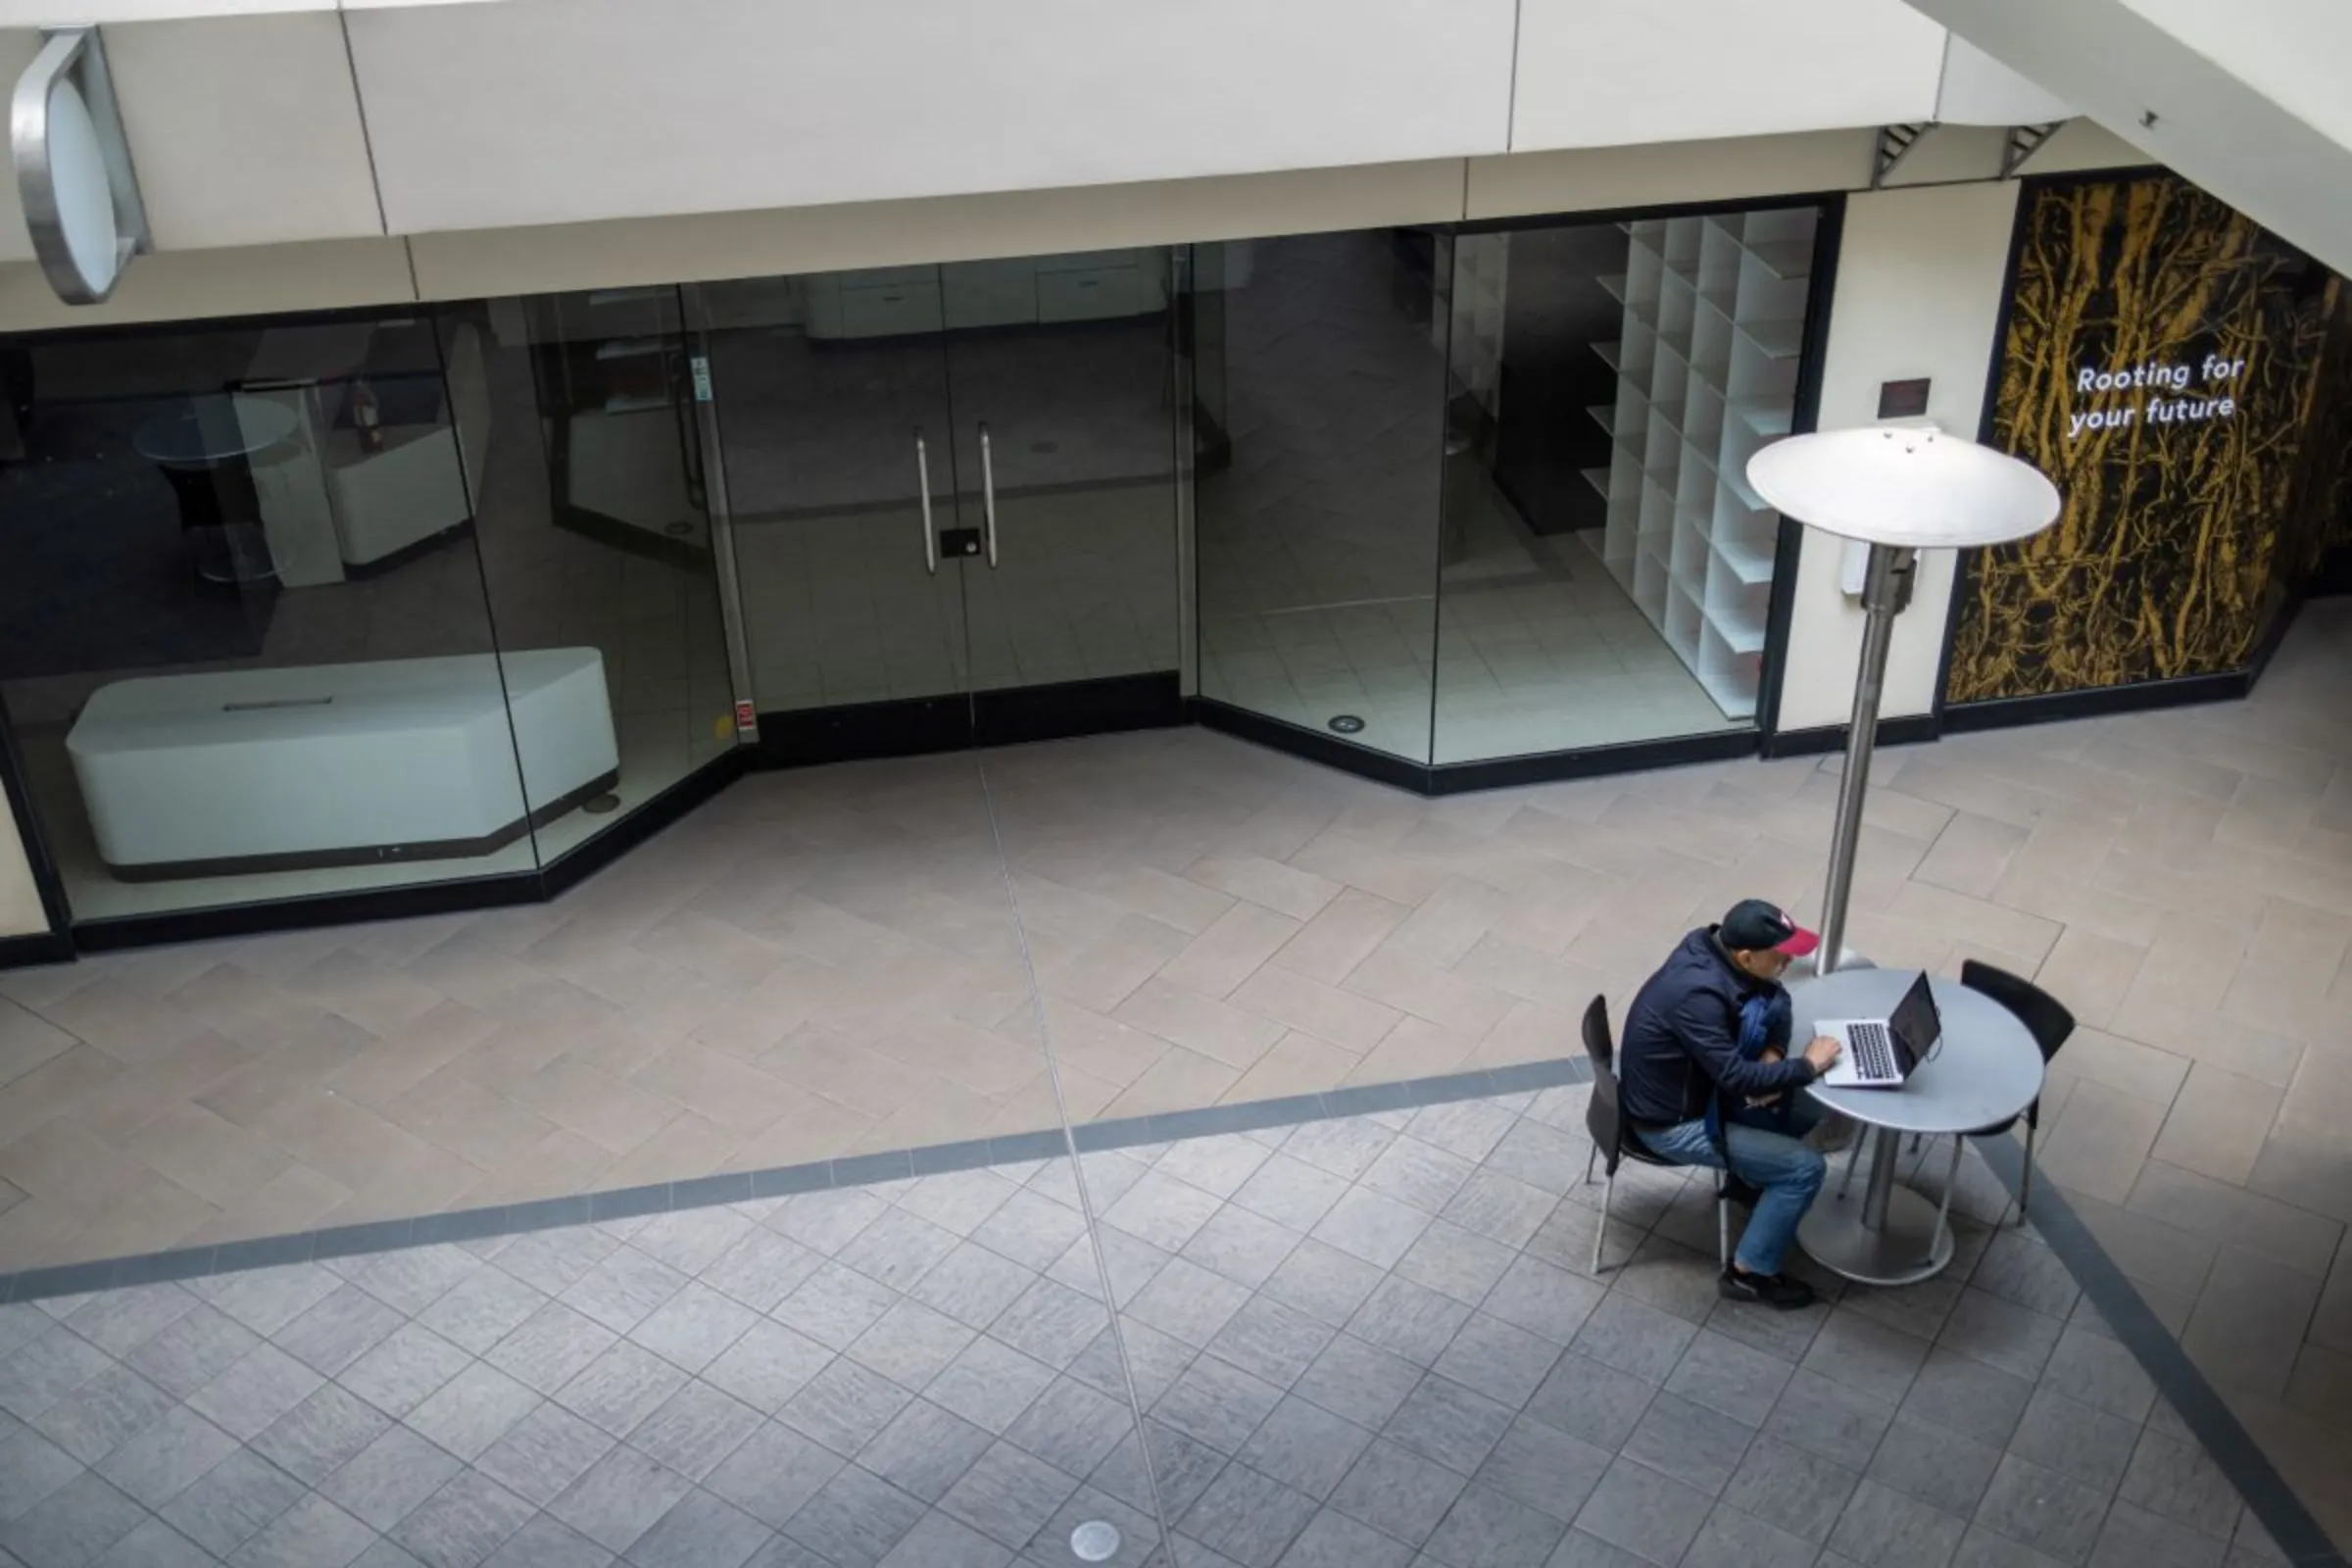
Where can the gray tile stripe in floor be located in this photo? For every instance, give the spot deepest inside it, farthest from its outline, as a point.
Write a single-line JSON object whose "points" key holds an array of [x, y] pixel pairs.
{"points": [[2177, 1378], [661, 1198], [2232, 1447]]}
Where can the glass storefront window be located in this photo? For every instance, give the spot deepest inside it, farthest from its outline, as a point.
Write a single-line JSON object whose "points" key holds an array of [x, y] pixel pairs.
{"points": [[1318, 466], [1607, 573], [596, 531], [323, 606], [246, 653]]}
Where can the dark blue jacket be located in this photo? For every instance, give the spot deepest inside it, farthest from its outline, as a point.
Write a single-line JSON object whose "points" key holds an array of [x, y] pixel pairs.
{"points": [[1681, 1040]]}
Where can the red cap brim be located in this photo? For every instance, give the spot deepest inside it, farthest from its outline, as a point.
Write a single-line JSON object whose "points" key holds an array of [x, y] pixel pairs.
{"points": [[1800, 943]]}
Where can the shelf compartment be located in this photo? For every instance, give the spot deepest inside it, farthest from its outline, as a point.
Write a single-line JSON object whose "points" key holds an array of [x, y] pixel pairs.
{"points": [[1742, 633], [1787, 261], [1731, 691], [1746, 560], [1775, 340]]}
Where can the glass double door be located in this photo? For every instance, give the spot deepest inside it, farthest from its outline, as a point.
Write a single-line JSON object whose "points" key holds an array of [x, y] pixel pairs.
{"points": [[953, 498]]}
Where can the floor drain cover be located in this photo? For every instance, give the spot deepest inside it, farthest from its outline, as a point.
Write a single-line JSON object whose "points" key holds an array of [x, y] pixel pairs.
{"points": [[1346, 725], [1095, 1541], [599, 804]]}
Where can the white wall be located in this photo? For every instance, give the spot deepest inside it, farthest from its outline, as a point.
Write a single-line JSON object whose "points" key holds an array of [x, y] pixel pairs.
{"points": [[244, 131], [176, 285], [1596, 72], [246, 117], [2249, 97], [945, 228], [253, 281], [1920, 275], [567, 111], [1979, 90]]}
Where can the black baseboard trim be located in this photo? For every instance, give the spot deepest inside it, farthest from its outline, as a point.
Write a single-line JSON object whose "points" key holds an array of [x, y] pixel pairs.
{"points": [[1594, 761], [1382, 767], [1059, 712], [664, 810], [1458, 778], [454, 896], [667, 549], [1907, 729], [810, 737], [2188, 691], [920, 726], [35, 950]]}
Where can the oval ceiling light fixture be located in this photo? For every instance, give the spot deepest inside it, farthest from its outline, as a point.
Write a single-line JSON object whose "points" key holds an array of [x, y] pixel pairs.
{"points": [[73, 169]]}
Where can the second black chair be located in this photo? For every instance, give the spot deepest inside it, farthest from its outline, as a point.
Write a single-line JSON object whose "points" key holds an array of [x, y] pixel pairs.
{"points": [[2048, 1022]]}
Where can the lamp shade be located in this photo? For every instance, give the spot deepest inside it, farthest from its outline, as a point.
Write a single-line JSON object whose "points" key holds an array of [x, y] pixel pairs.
{"points": [[1913, 489]]}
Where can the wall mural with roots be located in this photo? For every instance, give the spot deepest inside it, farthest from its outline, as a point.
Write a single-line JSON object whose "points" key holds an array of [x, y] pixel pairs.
{"points": [[2186, 379]]}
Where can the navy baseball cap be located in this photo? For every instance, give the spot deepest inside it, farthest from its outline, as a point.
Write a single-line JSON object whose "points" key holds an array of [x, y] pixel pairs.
{"points": [[1756, 926]]}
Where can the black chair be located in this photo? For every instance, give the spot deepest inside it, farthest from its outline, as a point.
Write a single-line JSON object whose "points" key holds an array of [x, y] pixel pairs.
{"points": [[1614, 1142], [2047, 1021]]}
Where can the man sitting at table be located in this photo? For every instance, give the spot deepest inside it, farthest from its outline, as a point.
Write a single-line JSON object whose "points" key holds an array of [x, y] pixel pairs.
{"points": [[1705, 1079]]}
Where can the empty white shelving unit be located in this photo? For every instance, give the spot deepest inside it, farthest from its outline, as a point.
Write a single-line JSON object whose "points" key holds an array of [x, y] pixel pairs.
{"points": [[1706, 374]]}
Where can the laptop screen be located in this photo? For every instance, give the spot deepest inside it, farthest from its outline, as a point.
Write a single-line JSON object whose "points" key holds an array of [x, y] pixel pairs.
{"points": [[1915, 1024]]}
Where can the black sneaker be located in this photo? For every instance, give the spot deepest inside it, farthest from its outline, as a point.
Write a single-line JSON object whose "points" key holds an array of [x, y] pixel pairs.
{"points": [[1776, 1291]]}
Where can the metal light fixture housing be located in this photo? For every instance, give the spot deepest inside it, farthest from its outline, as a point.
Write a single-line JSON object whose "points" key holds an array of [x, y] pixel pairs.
{"points": [[1898, 489], [1912, 487], [73, 171]]}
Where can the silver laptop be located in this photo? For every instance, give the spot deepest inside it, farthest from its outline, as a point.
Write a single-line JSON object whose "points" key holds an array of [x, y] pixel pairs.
{"points": [[1880, 1052]]}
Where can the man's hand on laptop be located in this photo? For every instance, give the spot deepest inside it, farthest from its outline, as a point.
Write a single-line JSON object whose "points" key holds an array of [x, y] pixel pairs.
{"points": [[1823, 1054]]}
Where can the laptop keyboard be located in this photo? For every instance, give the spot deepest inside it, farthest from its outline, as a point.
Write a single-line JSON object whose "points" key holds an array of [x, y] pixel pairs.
{"points": [[1874, 1051]]}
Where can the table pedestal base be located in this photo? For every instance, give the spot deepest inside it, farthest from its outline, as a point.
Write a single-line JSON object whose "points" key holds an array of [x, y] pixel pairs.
{"points": [[1909, 1247]]}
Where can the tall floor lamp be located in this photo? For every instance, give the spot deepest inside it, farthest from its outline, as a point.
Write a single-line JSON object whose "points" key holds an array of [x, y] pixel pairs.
{"points": [[1900, 491]]}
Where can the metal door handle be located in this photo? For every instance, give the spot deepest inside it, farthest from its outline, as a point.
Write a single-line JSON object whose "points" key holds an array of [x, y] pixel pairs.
{"points": [[923, 474], [988, 493]]}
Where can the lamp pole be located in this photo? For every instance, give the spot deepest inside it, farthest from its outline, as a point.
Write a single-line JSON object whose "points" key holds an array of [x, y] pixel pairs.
{"points": [[1879, 592]]}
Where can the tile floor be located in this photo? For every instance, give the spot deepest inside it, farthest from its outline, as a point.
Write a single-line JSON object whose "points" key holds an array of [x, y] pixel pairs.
{"points": [[826, 962], [1363, 1342]]}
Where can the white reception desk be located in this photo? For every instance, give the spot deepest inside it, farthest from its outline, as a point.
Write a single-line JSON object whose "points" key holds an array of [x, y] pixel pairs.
{"points": [[340, 764]]}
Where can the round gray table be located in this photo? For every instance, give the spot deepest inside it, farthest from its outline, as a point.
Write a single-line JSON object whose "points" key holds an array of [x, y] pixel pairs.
{"points": [[1986, 1070]]}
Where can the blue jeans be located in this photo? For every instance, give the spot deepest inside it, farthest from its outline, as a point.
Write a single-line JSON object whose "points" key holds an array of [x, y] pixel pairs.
{"points": [[1786, 1173]]}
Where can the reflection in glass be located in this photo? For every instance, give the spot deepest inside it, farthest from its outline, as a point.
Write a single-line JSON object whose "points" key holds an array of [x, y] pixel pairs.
{"points": [[1320, 421], [1607, 573], [836, 440], [1060, 369], [595, 538], [950, 479], [243, 637]]}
